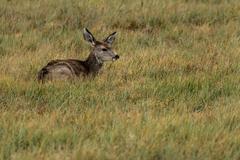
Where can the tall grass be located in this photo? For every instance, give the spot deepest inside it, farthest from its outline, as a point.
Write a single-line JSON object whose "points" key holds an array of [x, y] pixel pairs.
{"points": [[173, 94]]}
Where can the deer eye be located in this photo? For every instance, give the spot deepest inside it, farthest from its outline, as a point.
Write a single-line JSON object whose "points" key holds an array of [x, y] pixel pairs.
{"points": [[104, 49]]}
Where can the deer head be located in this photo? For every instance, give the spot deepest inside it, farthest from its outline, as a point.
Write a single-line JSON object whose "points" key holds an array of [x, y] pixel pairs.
{"points": [[102, 50]]}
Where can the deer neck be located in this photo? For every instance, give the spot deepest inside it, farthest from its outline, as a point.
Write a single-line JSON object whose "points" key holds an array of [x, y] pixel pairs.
{"points": [[93, 63]]}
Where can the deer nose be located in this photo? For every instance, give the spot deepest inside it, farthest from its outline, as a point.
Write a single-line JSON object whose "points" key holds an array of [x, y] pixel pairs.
{"points": [[116, 57]]}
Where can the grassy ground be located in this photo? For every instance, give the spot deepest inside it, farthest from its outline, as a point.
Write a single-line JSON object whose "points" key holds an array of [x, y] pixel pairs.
{"points": [[173, 94]]}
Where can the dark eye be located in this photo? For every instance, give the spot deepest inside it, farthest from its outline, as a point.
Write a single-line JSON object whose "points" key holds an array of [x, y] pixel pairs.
{"points": [[104, 49]]}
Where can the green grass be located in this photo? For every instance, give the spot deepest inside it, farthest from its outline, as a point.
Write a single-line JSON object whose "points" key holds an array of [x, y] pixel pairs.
{"points": [[173, 94]]}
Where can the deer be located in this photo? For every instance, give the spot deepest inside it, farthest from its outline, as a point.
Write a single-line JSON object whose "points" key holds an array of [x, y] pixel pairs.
{"points": [[101, 51]]}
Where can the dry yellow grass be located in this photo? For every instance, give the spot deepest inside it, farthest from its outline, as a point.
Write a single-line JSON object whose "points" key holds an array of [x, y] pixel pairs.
{"points": [[173, 94]]}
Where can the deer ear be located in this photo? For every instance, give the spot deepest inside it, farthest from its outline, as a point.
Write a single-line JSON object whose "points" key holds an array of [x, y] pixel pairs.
{"points": [[88, 36], [110, 39]]}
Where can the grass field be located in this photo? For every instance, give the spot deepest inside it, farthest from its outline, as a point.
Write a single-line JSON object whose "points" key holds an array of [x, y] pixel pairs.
{"points": [[173, 94]]}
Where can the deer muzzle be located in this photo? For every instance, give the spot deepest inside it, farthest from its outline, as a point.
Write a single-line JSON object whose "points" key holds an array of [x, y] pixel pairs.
{"points": [[115, 57]]}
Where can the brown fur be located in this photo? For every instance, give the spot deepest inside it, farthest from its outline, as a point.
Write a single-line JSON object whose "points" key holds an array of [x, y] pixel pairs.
{"points": [[76, 68], [70, 68]]}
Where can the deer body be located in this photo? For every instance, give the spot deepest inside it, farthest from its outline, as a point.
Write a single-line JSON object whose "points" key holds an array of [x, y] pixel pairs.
{"points": [[72, 68]]}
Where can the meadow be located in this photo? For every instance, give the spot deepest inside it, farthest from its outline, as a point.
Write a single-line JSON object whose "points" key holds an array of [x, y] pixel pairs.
{"points": [[173, 94]]}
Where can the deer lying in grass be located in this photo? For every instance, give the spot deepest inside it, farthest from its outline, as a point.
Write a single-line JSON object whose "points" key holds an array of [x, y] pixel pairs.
{"points": [[71, 68]]}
